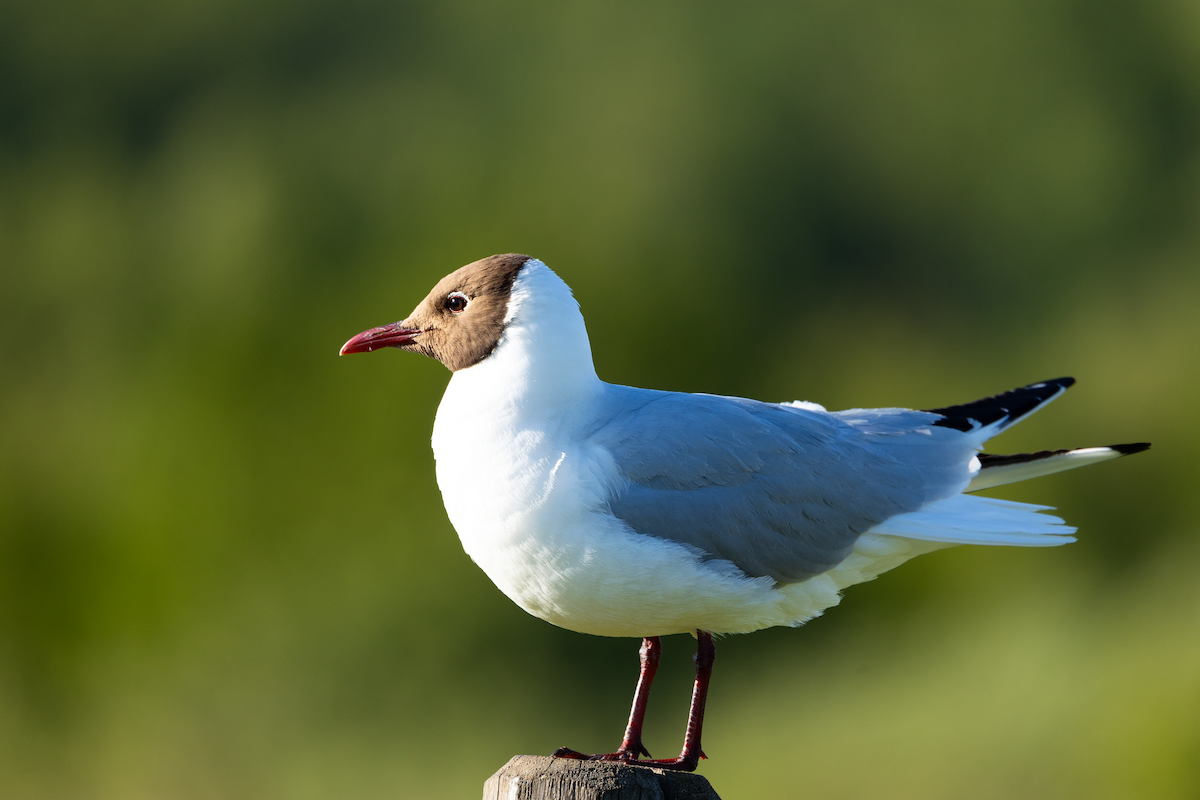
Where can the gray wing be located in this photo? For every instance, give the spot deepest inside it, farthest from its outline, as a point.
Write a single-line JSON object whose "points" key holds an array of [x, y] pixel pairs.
{"points": [[776, 489]]}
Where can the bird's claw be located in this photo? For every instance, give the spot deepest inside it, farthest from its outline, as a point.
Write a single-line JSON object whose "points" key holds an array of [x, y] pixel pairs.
{"points": [[629, 754], [685, 763], [681, 764], [566, 752]]}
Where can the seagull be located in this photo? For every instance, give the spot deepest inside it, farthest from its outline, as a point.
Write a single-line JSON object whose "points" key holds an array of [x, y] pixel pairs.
{"points": [[617, 511]]}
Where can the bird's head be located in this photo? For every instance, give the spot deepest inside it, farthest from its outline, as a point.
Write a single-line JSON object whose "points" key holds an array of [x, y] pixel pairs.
{"points": [[460, 322]]}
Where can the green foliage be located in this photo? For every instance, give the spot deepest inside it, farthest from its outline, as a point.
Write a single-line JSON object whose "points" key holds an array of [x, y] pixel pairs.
{"points": [[224, 568]]}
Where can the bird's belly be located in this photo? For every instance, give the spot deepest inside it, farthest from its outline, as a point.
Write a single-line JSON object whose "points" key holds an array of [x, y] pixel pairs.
{"points": [[590, 575], [539, 532], [538, 529]]}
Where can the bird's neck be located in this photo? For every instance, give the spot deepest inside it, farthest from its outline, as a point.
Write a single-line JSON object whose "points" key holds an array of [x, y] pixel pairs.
{"points": [[539, 379], [535, 374], [505, 425], [541, 367]]}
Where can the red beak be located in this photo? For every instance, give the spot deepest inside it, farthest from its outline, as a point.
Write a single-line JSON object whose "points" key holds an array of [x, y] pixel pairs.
{"points": [[394, 335]]}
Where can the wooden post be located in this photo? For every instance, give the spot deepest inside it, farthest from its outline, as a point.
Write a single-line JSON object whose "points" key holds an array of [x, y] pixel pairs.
{"points": [[547, 778]]}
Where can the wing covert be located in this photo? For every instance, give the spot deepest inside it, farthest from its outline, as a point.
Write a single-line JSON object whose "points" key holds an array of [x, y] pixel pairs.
{"points": [[778, 490]]}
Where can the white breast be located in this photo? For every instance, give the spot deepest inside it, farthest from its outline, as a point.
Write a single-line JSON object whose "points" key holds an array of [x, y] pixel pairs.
{"points": [[519, 487]]}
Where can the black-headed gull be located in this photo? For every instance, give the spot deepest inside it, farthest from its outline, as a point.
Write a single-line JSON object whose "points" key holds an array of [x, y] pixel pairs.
{"points": [[618, 511]]}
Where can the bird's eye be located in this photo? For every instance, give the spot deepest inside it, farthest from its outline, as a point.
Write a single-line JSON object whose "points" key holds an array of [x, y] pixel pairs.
{"points": [[456, 302]]}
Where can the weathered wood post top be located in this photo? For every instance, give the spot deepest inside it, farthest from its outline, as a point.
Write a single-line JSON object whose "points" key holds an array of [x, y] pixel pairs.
{"points": [[548, 778]]}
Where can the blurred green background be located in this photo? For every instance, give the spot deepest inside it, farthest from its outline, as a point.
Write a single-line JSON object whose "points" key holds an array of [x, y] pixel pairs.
{"points": [[225, 571]]}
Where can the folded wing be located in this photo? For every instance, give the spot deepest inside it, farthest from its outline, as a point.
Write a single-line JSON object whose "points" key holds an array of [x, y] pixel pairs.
{"points": [[779, 490]]}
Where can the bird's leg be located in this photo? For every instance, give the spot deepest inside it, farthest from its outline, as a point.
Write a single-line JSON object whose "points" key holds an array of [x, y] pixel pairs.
{"points": [[690, 757], [631, 746], [632, 743]]}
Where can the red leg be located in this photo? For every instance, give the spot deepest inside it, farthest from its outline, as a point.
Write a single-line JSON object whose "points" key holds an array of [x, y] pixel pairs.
{"points": [[689, 757], [631, 746], [649, 655]]}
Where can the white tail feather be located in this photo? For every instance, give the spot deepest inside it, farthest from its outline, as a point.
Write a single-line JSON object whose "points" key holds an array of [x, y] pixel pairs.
{"points": [[964, 519]]}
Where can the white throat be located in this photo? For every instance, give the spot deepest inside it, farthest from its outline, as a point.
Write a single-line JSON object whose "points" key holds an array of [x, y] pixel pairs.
{"points": [[543, 361]]}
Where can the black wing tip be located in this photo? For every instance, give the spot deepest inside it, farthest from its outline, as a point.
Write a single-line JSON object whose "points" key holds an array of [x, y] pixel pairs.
{"points": [[964, 424], [1011, 405], [1059, 384], [988, 460]]}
